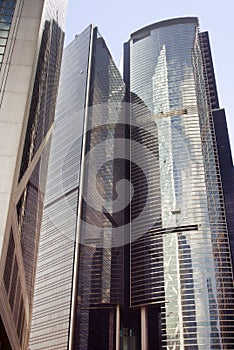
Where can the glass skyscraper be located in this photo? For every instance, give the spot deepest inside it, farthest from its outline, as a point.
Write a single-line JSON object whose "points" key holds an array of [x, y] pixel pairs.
{"points": [[165, 70], [31, 44], [78, 288], [152, 271]]}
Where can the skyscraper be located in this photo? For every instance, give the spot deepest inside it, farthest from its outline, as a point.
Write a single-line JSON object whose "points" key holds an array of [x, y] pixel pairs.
{"points": [[165, 70], [79, 287], [146, 265], [31, 44]]}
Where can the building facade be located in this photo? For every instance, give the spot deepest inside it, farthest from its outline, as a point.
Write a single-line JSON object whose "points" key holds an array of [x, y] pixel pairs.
{"points": [[31, 44], [221, 137], [79, 288], [166, 70], [226, 170], [154, 270]]}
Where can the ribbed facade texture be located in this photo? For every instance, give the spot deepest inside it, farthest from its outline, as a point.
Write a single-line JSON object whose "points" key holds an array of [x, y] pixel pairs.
{"points": [[222, 142], [154, 272], [100, 280], [31, 39], [166, 73], [226, 170], [78, 288], [51, 312]]}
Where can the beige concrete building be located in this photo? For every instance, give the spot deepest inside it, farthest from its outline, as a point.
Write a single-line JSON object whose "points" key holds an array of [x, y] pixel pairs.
{"points": [[31, 43]]}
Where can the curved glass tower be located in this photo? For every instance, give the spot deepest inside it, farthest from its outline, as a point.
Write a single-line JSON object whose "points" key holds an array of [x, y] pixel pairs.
{"points": [[187, 248]]}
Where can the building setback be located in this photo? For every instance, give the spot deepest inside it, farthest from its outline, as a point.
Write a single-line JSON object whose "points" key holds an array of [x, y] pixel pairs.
{"points": [[154, 272], [222, 143], [31, 44]]}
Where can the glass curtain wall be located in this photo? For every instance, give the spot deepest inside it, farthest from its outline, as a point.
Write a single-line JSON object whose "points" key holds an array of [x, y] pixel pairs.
{"points": [[166, 73], [80, 275]]}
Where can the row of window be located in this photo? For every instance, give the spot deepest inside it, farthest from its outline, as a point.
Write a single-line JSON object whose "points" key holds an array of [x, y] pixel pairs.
{"points": [[7, 4], [6, 13]]}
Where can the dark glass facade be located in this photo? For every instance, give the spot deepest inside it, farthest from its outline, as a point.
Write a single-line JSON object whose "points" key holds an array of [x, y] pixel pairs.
{"points": [[41, 116], [222, 142], [101, 266], [7, 9], [226, 170], [209, 74]]}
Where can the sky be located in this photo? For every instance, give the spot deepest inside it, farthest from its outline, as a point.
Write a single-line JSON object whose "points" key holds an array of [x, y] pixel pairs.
{"points": [[118, 19]]}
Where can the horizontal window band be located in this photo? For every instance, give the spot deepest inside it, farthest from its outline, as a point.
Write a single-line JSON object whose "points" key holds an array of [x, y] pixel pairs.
{"points": [[61, 197]]}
